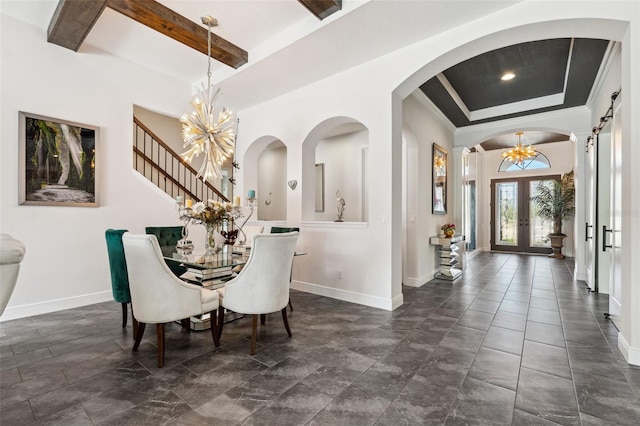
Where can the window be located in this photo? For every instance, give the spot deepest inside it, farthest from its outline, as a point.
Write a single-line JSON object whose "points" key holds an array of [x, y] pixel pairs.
{"points": [[540, 161]]}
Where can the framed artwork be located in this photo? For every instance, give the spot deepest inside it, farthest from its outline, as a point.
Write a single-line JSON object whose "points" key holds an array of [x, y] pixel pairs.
{"points": [[57, 162], [439, 185]]}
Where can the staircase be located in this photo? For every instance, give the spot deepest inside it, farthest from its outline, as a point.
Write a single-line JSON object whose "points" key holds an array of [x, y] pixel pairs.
{"points": [[160, 164]]}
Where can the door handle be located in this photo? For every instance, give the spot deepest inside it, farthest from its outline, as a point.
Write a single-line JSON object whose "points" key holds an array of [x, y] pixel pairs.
{"points": [[604, 237], [586, 232]]}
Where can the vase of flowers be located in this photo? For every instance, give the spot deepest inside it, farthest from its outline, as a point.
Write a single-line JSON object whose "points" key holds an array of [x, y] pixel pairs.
{"points": [[448, 229], [212, 214], [210, 239]]}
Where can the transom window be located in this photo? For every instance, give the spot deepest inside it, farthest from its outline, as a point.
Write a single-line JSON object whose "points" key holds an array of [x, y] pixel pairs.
{"points": [[540, 161]]}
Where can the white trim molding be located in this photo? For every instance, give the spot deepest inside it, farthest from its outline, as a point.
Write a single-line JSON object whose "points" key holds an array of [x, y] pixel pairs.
{"points": [[23, 311], [420, 281], [349, 296], [631, 354]]}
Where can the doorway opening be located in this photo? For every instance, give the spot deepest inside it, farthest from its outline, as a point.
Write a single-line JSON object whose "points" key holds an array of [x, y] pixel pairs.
{"points": [[515, 224]]}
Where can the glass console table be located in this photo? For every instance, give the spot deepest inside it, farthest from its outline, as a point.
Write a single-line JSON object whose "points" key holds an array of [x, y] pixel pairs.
{"points": [[449, 269]]}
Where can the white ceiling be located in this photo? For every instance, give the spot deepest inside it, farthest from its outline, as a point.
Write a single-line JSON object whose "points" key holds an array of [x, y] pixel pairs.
{"points": [[288, 46]]}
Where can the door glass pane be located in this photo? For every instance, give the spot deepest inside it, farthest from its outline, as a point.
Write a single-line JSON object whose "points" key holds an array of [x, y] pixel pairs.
{"points": [[539, 229], [507, 214]]}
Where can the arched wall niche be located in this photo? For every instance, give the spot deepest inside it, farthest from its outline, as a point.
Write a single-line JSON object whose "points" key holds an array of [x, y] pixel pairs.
{"points": [[265, 172], [335, 159]]}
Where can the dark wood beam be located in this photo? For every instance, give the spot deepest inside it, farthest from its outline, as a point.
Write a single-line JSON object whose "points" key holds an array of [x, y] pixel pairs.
{"points": [[162, 19], [72, 21], [322, 8]]}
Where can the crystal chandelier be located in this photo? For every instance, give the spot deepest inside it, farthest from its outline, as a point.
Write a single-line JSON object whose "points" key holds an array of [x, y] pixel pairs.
{"points": [[519, 152], [206, 130]]}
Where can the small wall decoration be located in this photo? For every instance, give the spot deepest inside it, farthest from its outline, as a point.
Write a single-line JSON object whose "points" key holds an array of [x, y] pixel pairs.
{"points": [[341, 206], [57, 162], [292, 184], [439, 186]]}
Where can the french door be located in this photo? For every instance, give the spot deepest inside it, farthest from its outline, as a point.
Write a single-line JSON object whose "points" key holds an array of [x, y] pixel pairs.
{"points": [[515, 225]]}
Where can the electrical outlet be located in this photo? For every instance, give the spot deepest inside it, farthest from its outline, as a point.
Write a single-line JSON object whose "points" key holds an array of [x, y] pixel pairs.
{"points": [[339, 274]]}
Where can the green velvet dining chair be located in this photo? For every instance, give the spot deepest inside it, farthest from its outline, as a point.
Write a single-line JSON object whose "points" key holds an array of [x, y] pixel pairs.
{"points": [[168, 237], [283, 230], [119, 274]]}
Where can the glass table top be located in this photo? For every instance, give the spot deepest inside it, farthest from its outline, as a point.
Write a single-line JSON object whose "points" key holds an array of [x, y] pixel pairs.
{"points": [[198, 259]]}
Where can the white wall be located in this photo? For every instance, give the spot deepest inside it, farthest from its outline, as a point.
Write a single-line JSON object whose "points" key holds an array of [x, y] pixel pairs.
{"points": [[561, 157], [66, 259], [167, 128], [425, 126], [272, 178]]}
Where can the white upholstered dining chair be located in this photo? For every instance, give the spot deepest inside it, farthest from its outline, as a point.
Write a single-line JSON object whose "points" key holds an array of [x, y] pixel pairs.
{"points": [[11, 254], [262, 287], [158, 296]]}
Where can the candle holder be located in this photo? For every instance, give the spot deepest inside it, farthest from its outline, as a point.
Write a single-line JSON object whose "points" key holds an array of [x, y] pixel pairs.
{"points": [[230, 234], [185, 216], [251, 205]]}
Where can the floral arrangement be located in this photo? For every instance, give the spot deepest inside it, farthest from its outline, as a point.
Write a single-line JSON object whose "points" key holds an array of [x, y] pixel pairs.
{"points": [[448, 227], [341, 205], [213, 213]]}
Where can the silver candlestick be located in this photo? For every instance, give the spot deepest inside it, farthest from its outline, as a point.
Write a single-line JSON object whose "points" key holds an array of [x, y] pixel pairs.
{"points": [[185, 217], [251, 205]]}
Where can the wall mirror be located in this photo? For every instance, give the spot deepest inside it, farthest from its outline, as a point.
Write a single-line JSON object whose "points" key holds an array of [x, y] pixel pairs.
{"points": [[320, 187], [439, 185]]}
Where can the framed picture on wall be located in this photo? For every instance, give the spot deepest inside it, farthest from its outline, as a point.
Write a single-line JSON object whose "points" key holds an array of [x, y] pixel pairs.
{"points": [[57, 162], [439, 185]]}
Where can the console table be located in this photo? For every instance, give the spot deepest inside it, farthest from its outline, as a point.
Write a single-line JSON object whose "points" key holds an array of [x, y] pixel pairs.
{"points": [[448, 257]]}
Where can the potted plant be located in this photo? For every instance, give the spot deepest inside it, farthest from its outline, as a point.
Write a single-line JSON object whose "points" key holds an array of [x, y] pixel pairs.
{"points": [[555, 201]]}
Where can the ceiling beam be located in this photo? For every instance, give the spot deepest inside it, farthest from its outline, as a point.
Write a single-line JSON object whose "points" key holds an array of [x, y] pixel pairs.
{"points": [[322, 8], [72, 21], [164, 20]]}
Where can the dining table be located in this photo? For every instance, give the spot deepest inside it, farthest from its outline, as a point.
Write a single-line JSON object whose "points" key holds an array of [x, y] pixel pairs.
{"points": [[210, 270]]}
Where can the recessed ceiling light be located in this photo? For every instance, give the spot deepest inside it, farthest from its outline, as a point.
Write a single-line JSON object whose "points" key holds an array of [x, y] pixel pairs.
{"points": [[507, 76]]}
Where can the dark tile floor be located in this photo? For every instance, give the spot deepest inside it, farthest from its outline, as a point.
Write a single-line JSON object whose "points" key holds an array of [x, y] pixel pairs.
{"points": [[514, 341]]}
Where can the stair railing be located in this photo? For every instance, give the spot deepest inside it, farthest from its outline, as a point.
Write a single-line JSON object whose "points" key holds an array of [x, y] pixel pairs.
{"points": [[156, 161]]}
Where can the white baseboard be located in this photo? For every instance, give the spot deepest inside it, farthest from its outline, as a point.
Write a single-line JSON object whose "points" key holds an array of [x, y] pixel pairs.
{"points": [[397, 301], [349, 296], [16, 312], [631, 354], [471, 254], [419, 282], [581, 276]]}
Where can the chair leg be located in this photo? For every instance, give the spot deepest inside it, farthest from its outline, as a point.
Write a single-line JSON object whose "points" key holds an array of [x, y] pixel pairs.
{"points": [[124, 315], [139, 334], [160, 333], [254, 333], [214, 328], [220, 321], [263, 319], [134, 322], [186, 323], [290, 305], [286, 322]]}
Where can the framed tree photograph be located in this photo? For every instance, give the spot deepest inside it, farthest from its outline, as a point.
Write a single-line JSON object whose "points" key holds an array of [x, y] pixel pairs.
{"points": [[57, 162], [439, 185]]}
